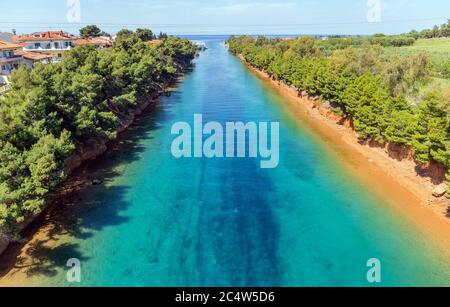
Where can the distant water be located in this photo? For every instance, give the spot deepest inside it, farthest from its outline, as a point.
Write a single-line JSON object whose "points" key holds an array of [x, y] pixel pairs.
{"points": [[158, 221]]}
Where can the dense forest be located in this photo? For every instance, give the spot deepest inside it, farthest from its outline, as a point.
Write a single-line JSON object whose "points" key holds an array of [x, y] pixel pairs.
{"points": [[54, 108], [383, 96]]}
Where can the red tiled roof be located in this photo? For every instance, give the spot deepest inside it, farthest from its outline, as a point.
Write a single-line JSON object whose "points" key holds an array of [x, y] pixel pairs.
{"points": [[34, 56], [8, 46], [94, 41], [44, 36]]}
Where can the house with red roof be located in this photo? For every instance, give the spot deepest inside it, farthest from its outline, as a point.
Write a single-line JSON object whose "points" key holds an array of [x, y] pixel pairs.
{"points": [[50, 42], [30, 58], [97, 42], [9, 60], [42, 47], [12, 56]]}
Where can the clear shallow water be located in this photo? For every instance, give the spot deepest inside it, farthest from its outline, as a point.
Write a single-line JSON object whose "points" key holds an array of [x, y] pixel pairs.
{"points": [[159, 221]]}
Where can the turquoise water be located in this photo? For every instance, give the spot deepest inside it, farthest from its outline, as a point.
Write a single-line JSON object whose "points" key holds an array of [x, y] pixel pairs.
{"points": [[159, 221]]}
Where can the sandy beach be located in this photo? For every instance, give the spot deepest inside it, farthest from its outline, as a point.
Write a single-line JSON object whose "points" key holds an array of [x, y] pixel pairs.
{"points": [[397, 182]]}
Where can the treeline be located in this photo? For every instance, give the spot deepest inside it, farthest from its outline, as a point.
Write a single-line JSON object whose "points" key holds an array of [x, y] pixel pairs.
{"points": [[52, 109], [90, 31], [435, 32], [364, 86]]}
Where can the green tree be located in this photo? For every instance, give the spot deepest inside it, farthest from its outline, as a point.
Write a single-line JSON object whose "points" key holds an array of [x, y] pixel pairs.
{"points": [[90, 31], [145, 34], [53, 108]]}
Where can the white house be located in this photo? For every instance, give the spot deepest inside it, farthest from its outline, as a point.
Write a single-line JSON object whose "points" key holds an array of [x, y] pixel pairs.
{"points": [[53, 42], [9, 60]]}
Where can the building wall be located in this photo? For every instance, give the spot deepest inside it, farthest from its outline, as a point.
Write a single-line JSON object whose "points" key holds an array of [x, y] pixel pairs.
{"points": [[29, 63], [6, 68], [8, 62], [48, 45], [6, 54]]}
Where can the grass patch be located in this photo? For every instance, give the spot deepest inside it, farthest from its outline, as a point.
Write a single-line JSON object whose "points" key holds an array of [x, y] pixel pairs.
{"points": [[437, 48], [435, 83], [441, 45], [439, 51]]}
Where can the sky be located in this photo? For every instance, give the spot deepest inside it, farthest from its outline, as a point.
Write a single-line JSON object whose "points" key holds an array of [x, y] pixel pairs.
{"points": [[226, 16]]}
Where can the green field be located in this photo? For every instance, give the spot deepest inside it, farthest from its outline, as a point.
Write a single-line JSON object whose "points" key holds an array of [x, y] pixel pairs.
{"points": [[438, 45], [438, 49]]}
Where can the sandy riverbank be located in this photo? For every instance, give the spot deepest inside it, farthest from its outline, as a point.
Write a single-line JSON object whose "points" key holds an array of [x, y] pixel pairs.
{"points": [[395, 181]]}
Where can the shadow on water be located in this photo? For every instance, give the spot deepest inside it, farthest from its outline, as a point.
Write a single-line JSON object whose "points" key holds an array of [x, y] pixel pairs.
{"points": [[49, 240], [243, 229]]}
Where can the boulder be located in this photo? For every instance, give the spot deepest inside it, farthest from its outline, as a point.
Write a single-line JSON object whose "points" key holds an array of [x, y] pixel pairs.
{"points": [[326, 105], [439, 191]]}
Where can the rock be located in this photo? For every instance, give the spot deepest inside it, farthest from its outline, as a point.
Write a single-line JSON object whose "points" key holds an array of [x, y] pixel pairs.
{"points": [[439, 191], [326, 105], [96, 182], [89, 151]]}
